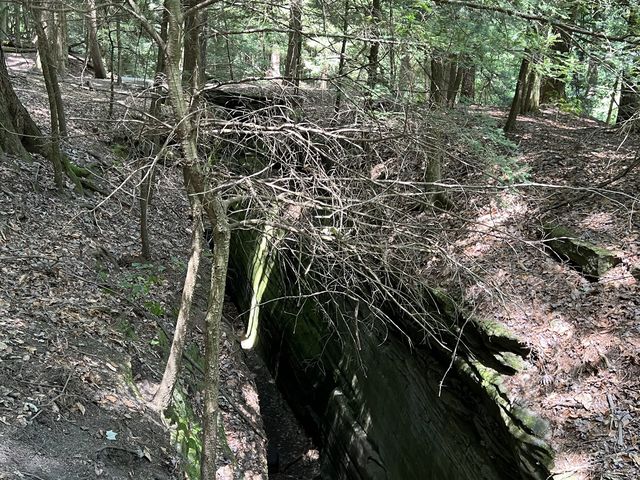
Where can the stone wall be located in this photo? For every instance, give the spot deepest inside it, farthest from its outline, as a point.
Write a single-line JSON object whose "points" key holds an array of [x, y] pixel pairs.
{"points": [[375, 404]]}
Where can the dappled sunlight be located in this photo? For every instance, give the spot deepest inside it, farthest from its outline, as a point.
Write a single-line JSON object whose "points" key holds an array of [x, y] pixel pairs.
{"points": [[599, 221], [21, 62], [583, 373]]}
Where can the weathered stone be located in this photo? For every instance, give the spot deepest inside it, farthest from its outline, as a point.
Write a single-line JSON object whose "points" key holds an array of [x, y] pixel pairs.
{"points": [[589, 259], [383, 410]]}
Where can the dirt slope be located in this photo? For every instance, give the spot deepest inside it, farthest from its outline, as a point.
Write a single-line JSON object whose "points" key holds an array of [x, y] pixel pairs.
{"points": [[80, 350]]}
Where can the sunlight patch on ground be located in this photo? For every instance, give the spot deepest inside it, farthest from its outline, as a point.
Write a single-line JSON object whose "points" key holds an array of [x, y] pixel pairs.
{"points": [[599, 221], [572, 466], [20, 62]]}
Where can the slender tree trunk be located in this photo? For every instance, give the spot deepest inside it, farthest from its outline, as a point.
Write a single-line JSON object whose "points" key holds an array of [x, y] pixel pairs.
{"points": [[17, 31], [630, 80], [119, 48], [455, 80], [468, 88], [58, 36], [343, 56], [553, 88], [518, 96], [203, 29], [374, 49], [531, 93], [4, 21], [612, 102], [162, 397], [51, 83], [393, 77], [164, 24], [217, 214], [191, 51], [292, 68], [92, 39], [437, 88]]}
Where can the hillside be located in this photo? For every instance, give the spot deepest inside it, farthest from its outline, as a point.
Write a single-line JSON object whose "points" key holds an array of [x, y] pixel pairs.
{"points": [[82, 316]]}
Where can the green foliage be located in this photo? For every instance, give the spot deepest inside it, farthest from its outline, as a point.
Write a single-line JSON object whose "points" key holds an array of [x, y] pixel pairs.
{"points": [[155, 308], [573, 106], [186, 432], [486, 141], [140, 281], [126, 328]]}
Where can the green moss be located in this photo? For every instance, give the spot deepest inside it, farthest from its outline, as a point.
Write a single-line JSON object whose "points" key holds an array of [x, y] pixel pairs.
{"points": [[591, 259]]}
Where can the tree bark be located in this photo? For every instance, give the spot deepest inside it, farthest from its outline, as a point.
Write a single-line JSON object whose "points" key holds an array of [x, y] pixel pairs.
{"points": [[191, 52], [19, 134], [612, 101], [517, 97], [216, 211], [293, 64], [455, 80], [162, 397], [468, 89], [374, 49], [94, 46], [630, 81], [58, 127], [437, 88], [531, 93], [214, 206]]}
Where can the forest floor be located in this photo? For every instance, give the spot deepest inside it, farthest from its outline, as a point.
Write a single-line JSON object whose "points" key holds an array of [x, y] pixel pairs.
{"points": [[82, 315], [583, 375], [80, 312]]}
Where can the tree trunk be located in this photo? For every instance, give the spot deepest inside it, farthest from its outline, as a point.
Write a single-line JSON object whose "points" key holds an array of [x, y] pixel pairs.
{"points": [[94, 46], [612, 101], [468, 89], [374, 49], [50, 79], [343, 56], [437, 88], [4, 21], [214, 206], [455, 80], [162, 397], [161, 59], [531, 93], [57, 36], [517, 97], [217, 214], [292, 69], [191, 52], [630, 81], [19, 134], [203, 30], [553, 88]]}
